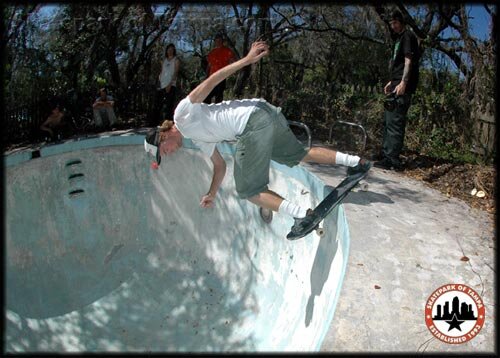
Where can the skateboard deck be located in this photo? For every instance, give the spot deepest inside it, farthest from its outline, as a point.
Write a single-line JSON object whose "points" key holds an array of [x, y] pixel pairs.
{"points": [[325, 207]]}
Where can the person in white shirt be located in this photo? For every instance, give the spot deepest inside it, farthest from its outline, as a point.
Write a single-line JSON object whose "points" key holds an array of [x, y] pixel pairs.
{"points": [[262, 134], [168, 83]]}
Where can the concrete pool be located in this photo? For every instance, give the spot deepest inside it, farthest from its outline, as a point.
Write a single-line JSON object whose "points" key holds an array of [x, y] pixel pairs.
{"points": [[105, 254]]}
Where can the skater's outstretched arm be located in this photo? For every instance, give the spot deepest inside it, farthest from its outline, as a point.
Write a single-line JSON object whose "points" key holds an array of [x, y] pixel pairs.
{"points": [[258, 50], [207, 201]]}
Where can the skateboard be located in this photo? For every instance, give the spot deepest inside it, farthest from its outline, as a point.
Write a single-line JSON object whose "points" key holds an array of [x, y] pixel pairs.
{"points": [[311, 222]]}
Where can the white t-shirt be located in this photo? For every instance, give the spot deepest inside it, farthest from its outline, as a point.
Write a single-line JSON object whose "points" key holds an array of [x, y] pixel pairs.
{"points": [[208, 124], [167, 72]]}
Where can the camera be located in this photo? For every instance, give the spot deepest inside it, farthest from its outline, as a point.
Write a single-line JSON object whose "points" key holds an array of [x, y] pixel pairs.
{"points": [[390, 102]]}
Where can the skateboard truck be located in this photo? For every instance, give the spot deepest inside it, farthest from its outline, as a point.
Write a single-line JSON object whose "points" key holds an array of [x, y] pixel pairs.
{"points": [[267, 217], [320, 231], [311, 222]]}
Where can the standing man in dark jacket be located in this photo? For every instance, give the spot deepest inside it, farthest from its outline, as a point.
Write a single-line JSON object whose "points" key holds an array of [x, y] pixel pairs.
{"points": [[404, 67]]}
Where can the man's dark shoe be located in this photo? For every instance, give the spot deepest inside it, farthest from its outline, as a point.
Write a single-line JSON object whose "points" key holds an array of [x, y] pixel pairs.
{"points": [[302, 223], [387, 164], [362, 167]]}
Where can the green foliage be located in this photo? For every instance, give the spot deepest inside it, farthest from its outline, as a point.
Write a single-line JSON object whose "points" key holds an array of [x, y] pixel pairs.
{"points": [[100, 81], [439, 121]]}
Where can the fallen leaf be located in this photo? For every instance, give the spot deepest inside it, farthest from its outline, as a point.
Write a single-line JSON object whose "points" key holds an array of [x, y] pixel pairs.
{"points": [[480, 194]]}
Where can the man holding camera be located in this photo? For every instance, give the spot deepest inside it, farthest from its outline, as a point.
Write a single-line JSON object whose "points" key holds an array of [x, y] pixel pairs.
{"points": [[403, 83]]}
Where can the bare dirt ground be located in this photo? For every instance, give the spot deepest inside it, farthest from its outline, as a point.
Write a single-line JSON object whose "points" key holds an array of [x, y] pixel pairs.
{"points": [[456, 180]]}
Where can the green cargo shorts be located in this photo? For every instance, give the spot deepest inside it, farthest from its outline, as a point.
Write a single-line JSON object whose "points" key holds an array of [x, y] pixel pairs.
{"points": [[266, 137]]}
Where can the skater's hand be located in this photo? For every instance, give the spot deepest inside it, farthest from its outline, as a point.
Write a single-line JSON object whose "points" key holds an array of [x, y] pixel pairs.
{"points": [[207, 201], [258, 50]]}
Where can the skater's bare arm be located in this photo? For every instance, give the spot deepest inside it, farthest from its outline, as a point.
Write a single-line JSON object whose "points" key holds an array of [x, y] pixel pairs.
{"points": [[219, 171], [259, 49]]}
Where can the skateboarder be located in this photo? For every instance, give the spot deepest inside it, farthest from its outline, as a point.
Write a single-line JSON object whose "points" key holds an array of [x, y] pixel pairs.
{"points": [[262, 135]]}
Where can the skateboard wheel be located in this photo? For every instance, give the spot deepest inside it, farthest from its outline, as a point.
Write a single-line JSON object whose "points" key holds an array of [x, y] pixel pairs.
{"points": [[363, 186], [320, 231]]}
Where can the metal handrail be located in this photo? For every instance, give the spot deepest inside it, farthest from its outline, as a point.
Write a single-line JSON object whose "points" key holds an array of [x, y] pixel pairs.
{"points": [[349, 124], [293, 123], [304, 126]]}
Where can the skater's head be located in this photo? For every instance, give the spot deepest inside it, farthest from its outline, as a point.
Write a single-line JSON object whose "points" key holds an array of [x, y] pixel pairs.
{"points": [[170, 138], [163, 140]]}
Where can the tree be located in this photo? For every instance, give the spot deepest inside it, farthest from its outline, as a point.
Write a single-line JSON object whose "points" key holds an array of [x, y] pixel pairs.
{"points": [[474, 59], [315, 48], [17, 33]]}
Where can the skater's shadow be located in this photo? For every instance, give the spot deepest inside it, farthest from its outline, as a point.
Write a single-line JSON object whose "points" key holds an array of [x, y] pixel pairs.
{"points": [[366, 198], [325, 253]]}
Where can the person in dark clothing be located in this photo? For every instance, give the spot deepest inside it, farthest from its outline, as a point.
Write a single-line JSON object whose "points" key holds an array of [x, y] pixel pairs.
{"points": [[404, 73]]}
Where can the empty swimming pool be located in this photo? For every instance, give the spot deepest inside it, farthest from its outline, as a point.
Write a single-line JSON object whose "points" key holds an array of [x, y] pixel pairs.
{"points": [[104, 253]]}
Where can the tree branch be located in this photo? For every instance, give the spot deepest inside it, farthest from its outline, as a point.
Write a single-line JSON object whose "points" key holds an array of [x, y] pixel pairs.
{"points": [[147, 46], [24, 18], [288, 62], [452, 54], [411, 22], [329, 28], [349, 36]]}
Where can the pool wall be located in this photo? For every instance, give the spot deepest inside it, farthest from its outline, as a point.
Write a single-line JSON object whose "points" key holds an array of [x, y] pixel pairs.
{"points": [[106, 254]]}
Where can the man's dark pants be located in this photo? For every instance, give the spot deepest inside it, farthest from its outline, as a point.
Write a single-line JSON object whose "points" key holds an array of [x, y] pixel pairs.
{"points": [[217, 92], [165, 104], [394, 129]]}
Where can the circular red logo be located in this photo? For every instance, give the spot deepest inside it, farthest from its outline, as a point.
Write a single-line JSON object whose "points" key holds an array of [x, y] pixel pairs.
{"points": [[454, 313]]}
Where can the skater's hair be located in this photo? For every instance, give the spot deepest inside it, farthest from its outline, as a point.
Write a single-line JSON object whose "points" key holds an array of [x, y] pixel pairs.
{"points": [[172, 138], [165, 136], [166, 125]]}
